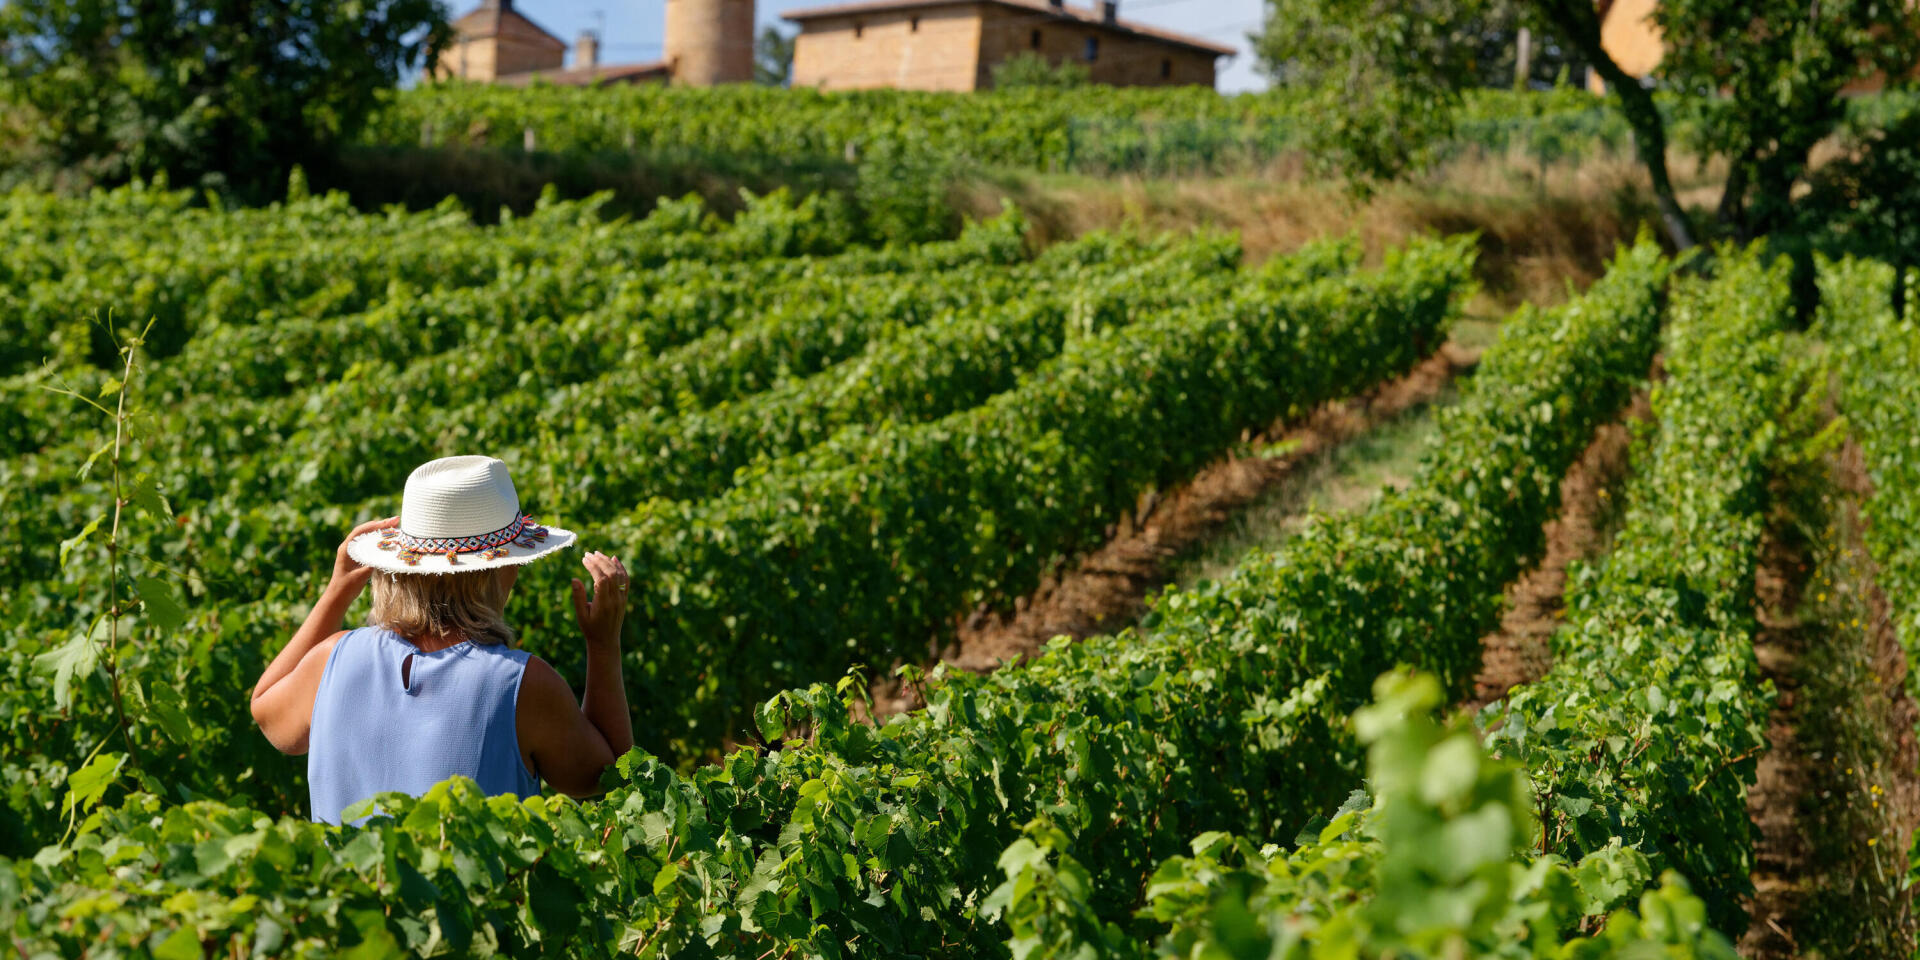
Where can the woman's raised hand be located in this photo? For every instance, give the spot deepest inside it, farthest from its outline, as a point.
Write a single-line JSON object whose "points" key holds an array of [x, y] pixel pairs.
{"points": [[600, 617], [349, 572]]}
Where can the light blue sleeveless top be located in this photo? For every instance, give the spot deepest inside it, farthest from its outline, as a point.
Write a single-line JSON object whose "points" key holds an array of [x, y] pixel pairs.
{"points": [[372, 733]]}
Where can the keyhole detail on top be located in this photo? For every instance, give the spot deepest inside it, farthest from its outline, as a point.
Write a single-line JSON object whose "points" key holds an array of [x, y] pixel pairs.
{"points": [[406, 673]]}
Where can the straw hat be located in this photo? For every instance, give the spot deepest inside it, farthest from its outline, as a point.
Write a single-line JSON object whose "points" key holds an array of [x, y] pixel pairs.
{"points": [[458, 514]]}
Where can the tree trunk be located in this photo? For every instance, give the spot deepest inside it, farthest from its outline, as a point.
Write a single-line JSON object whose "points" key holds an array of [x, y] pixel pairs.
{"points": [[1578, 21], [1733, 197], [1523, 59]]}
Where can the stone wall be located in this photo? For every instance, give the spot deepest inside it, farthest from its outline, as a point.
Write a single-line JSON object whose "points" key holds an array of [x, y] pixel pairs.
{"points": [[936, 48], [1120, 57]]}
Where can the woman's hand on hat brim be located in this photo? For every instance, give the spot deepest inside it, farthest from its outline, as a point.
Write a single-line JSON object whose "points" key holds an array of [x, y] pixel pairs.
{"points": [[347, 571]]}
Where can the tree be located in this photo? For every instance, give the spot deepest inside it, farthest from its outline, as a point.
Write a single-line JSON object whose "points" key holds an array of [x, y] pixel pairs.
{"points": [[1384, 76], [1761, 79], [204, 90], [772, 58], [1579, 22], [1871, 200]]}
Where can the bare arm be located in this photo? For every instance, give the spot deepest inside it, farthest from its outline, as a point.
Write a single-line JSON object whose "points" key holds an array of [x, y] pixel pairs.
{"points": [[284, 711], [283, 697], [570, 742]]}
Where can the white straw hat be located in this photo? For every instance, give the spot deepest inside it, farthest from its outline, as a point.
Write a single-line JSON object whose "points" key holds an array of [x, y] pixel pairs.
{"points": [[458, 514]]}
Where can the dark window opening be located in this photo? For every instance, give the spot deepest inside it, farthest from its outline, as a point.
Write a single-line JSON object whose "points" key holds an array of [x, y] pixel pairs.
{"points": [[913, 26], [1093, 48], [1034, 40], [1166, 69], [858, 29]]}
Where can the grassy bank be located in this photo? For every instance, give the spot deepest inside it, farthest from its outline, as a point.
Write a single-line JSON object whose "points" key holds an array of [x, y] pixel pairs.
{"points": [[1539, 228]]}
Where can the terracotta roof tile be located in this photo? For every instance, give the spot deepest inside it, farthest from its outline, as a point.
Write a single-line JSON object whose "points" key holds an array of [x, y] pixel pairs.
{"points": [[484, 21]]}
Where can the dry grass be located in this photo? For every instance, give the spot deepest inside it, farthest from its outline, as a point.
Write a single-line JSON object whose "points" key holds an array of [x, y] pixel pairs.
{"points": [[1539, 230]]}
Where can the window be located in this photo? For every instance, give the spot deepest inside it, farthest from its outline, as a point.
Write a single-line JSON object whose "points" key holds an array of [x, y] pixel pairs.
{"points": [[1093, 48], [858, 29], [1034, 40], [1166, 69], [913, 26]]}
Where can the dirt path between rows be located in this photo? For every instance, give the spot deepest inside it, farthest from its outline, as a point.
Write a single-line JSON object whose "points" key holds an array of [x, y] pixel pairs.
{"points": [[1836, 797], [1108, 589], [1518, 651], [1782, 853]]}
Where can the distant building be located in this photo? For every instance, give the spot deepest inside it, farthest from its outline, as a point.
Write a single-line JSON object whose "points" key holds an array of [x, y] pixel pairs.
{"points": [[955, 44], [708, 42], [494, 40]]}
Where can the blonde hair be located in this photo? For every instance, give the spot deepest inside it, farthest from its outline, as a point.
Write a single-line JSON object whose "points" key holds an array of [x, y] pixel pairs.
{"points": [[470, 606]]}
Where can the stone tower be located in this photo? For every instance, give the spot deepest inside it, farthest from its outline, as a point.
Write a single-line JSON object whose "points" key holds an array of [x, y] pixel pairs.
{"points": [[710, 42]]}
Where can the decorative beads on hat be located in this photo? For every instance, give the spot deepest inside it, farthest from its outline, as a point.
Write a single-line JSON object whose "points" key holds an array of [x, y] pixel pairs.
{"points": [[491, 546]]}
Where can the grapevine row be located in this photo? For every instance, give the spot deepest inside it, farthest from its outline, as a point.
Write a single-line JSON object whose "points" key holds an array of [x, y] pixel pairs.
{"points": [[1879, 367], [1096, 129], [203, 268], [451, 402]]}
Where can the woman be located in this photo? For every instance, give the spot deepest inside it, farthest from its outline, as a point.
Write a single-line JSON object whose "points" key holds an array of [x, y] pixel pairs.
{"points": [[431, 689]]}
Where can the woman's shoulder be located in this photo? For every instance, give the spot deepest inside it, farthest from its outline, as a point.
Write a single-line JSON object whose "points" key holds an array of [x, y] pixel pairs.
{"points": [[500, 651], [358, 637], [354, 645]]}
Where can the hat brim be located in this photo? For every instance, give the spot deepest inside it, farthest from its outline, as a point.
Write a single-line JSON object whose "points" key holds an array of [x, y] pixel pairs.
{"points": [[365, 548]]}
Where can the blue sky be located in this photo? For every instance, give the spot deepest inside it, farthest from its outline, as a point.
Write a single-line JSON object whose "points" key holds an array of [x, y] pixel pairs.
{"points": [[630, 29]]}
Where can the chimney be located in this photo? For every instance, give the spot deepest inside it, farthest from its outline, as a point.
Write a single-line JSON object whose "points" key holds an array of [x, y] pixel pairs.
{"points": [[1110, 11], [586, 50]]}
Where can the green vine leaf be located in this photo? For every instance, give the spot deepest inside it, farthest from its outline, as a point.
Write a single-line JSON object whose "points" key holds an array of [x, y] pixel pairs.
{"points": [[67, 546], [88, 784], [146, 495], [162, 607], [77, 657]]}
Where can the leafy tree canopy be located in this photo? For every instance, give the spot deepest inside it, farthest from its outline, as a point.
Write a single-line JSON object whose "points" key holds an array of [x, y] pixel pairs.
{"points": [[1759, 81], [772, 58], [204, 90], [1763, 81]]}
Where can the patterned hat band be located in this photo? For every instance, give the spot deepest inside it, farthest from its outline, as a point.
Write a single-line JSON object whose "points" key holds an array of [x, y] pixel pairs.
{"points": [[410, 549]]}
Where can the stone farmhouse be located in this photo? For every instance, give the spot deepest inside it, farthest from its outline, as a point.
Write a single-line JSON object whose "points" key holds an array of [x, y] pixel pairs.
{"points": [[707, 42], [955, 44]]}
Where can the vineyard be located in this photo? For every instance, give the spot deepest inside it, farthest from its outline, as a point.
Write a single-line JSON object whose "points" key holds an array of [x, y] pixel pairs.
{"points": [[1096, 129], [818, 457]]}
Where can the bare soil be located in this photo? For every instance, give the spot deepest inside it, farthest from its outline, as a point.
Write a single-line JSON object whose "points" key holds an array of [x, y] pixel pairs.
{"points": [[1519, 650], [1108, 588], [1783, 854]]}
